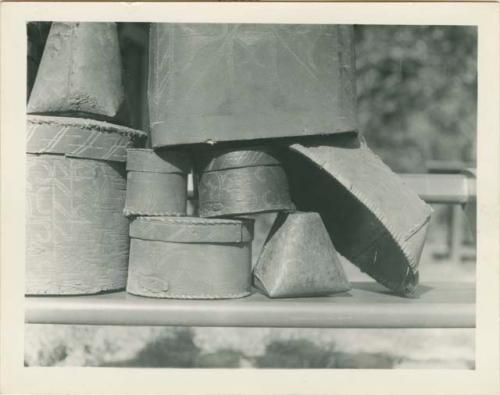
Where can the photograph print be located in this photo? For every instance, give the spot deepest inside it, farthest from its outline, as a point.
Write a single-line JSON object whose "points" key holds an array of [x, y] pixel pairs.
{"points": [[242, 195]]}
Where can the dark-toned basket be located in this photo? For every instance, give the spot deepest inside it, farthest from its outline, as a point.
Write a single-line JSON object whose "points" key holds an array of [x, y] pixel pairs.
{"points": [[229, 82], [241, 181], [298, 259], [357, 196], [156, 182], [190, 258]]}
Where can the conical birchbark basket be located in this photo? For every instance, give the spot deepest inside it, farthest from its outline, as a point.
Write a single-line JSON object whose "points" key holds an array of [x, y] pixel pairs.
{"points": [[80, 71]]}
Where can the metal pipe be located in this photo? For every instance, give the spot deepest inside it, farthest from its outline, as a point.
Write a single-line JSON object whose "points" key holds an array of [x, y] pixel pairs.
{"points": [[442, 188], [440, 305]]}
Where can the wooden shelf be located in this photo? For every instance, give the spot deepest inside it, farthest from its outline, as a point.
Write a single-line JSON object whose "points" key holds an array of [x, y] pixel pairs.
{"points": [[367, 305]]}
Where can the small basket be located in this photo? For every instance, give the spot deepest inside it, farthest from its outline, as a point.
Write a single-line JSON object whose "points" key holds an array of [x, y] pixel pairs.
{"points": [[298, 259], [242, 181], [156, 182], [190, 258]]}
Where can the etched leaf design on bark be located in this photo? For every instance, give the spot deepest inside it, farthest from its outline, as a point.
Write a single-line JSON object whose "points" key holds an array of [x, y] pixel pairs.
{"points": [[226, 82]]}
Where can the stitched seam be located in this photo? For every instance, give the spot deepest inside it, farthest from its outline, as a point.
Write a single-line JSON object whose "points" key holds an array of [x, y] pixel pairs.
{"points": [[240, 167], [285, 207], [87, 124], [157, 172], [200, 296], [150, 150], [130, 211], [193, 221]]}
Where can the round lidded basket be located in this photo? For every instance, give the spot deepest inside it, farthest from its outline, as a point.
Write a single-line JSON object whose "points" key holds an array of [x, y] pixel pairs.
{"points": [[241, 181], [76, 235], [190, 258], [156, 182]]}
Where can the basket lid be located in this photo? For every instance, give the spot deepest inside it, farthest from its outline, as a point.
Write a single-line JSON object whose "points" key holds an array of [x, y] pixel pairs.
{"points": [[192, 229], [158, 161], [231, 158], [79, 137]]}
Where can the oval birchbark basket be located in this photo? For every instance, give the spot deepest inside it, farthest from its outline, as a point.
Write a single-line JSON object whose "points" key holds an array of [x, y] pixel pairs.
{"points": [[241, 181], [299, 260], [76, 235], [374, 219], [156, 182], [190, 258]]}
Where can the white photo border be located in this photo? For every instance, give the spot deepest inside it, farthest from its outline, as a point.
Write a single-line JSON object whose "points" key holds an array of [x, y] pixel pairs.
{"points": [[15, 378]]}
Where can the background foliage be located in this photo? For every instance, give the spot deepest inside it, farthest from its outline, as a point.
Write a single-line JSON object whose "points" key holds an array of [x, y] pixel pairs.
{"points": [[417, 93]]}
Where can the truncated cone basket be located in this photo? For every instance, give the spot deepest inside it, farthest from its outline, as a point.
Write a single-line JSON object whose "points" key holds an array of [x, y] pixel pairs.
{"points": [[357, 196], [77, 237], [156, 182], [80, 71], [190, 258], [241, 181], [298, 259]]}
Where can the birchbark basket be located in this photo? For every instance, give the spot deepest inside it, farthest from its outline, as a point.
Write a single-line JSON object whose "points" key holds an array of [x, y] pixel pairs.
{"points": [[80, 71], [156, 182], [233, 82], [76, 235], [298, 259], [190, 258], [374, 219], [241, 181]]}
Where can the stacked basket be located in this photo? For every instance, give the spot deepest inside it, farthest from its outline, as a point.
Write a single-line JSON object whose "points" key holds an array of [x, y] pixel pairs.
{"points": [[77, 237], [213, 91]]}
